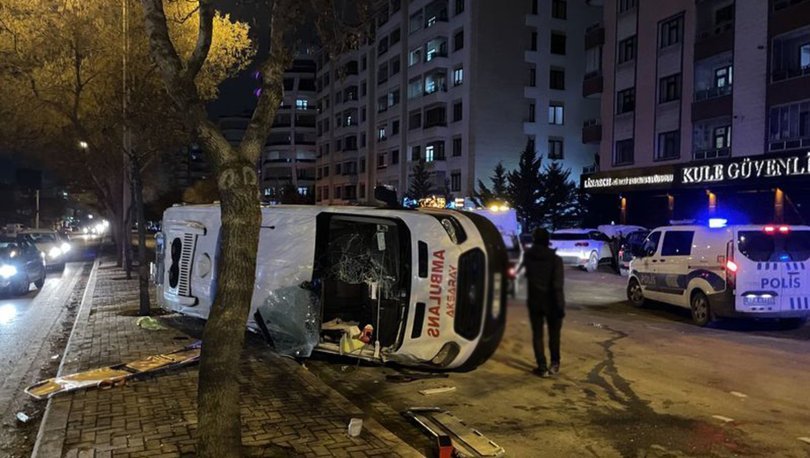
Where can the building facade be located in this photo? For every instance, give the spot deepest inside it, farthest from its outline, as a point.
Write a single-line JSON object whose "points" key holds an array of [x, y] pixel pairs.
{"points": [[705, 111], [288, 158], [461, 85]]}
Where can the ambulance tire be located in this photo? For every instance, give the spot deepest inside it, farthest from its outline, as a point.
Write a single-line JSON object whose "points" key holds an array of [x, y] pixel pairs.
{"points": [[791, 323], [635, 294], [701, 310]]}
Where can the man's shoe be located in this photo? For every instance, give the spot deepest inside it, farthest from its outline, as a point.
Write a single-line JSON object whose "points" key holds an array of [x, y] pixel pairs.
{"points": [[541, 372], [554, 369]]}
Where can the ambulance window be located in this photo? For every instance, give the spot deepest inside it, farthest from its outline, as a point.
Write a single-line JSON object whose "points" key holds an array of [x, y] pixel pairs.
{"points": [[677, 243]]}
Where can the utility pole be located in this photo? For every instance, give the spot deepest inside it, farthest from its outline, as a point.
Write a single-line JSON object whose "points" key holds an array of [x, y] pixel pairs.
{"points": [[36, 219], [126, 141]]}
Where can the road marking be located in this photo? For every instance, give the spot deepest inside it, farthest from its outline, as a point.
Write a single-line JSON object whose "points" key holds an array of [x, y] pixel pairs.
{"points": [[738, 394], [804, 439], [722, 418]]}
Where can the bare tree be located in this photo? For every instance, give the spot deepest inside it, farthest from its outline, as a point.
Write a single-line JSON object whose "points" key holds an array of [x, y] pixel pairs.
{"points": [[219, 429]]}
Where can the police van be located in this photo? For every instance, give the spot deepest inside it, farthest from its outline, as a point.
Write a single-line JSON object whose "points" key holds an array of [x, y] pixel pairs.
{"points": [[428, 284], [726, 271]]}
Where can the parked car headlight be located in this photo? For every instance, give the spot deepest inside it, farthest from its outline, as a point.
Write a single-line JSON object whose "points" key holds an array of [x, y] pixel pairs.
{"points": [[65, 247], [54, 252], [7, 271]]}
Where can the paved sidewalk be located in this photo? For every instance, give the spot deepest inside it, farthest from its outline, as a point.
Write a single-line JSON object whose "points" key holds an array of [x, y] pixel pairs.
{"points": [[286, 410]]}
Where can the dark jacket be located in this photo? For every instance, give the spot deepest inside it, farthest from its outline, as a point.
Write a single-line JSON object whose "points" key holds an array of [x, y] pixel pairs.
{"points": [[544, 272]]}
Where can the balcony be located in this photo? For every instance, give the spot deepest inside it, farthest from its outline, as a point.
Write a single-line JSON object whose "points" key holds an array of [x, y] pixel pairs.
{"points": [[594, 36], [788, 15], [591, 131], [592, 85], [711, 108], [711, 153], [713, 93], [714, 40], [790, 144]]}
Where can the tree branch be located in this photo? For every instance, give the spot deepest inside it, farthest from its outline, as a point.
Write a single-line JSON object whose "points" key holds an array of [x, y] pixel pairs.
{"points": [[204, 37]]}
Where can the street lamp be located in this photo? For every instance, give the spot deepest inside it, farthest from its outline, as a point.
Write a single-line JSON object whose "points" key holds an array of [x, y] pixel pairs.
{"points": [[83, 144]]}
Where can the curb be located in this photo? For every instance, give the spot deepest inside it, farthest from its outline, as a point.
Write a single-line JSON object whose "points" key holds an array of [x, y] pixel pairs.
{"points": [[51, 436]]}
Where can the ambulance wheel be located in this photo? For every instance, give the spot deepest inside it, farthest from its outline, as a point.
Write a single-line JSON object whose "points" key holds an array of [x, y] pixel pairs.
{"points": [[635, 294], [701, 311], [593, 262]]}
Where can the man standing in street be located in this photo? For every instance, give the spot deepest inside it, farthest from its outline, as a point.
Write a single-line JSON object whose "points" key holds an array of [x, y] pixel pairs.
{"points": [[546, 300]]}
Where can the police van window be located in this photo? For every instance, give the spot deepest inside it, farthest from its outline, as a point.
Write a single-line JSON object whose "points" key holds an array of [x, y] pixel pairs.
{"points": [[651, 244], [759, 246], [677, 243]]}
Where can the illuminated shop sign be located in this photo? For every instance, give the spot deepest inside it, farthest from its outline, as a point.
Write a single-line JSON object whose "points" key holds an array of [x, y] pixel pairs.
{"points": [[728, 171], [747, 169], [613, 182]]}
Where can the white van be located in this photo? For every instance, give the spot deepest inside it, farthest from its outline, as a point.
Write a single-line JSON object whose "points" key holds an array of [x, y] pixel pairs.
{"points": [[430, 283], [733, 271]]}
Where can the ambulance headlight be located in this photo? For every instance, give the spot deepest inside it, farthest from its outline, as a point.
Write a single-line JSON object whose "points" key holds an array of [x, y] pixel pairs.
{"points": [[453, 228], [446, 355], [7, 271], [54, 252]]}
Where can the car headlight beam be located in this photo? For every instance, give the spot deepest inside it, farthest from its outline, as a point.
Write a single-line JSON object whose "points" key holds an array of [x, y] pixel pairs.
{"points": [[65, 247], [54, 252], [7, 271]]}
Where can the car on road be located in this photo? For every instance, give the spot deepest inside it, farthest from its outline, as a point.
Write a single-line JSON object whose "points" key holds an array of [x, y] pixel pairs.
{"points": [[424, 288], [50, 243], [585, 248], [21, 264], [732, 271]]}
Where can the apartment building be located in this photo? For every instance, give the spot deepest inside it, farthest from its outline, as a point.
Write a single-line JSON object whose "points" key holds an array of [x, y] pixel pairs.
{"points": [[288, 157], [705, 111], [564, 50], [460, 84]]}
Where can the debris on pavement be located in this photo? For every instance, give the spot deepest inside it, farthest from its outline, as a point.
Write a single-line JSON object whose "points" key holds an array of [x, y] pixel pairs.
{"points": [[406, 377], [22, 417], [465, 441], [596, 325], [441, 389], [804, 439], [355, 427], [112, 376], [149, 323], [54, 357], [722, 418], [738, 394]]}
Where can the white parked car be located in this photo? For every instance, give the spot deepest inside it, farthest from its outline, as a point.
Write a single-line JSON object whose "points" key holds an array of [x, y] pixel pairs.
{"points": [[50, 243], [734, 271], [585, 248]]}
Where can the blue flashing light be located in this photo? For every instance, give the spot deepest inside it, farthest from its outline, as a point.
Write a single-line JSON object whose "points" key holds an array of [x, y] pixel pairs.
{"points": [[717, 223]]}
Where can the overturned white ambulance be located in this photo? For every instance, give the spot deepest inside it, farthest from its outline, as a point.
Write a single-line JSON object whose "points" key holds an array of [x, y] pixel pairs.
{"points": [[416, 287]]}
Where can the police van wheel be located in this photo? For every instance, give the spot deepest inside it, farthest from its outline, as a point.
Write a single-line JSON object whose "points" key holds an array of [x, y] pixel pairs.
{"points": [[634, 293], [701, 311]]}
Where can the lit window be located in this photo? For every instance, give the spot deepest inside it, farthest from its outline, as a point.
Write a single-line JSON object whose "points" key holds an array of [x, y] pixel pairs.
{"points": [[301, 104], [429, 151], [458, 76], [556, 113]]}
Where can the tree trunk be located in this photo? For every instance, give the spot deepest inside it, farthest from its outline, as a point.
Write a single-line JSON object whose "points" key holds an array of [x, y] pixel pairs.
{"points": [[219, 429], [143, 266], [127, 238]]}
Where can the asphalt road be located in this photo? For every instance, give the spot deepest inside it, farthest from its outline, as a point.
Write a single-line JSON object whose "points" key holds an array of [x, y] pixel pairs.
{"points": [[32, 332], [634, 382]]}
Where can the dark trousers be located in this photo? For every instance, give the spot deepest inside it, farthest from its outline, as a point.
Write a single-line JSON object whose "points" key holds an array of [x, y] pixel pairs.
{"points": [[554, 322]]}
